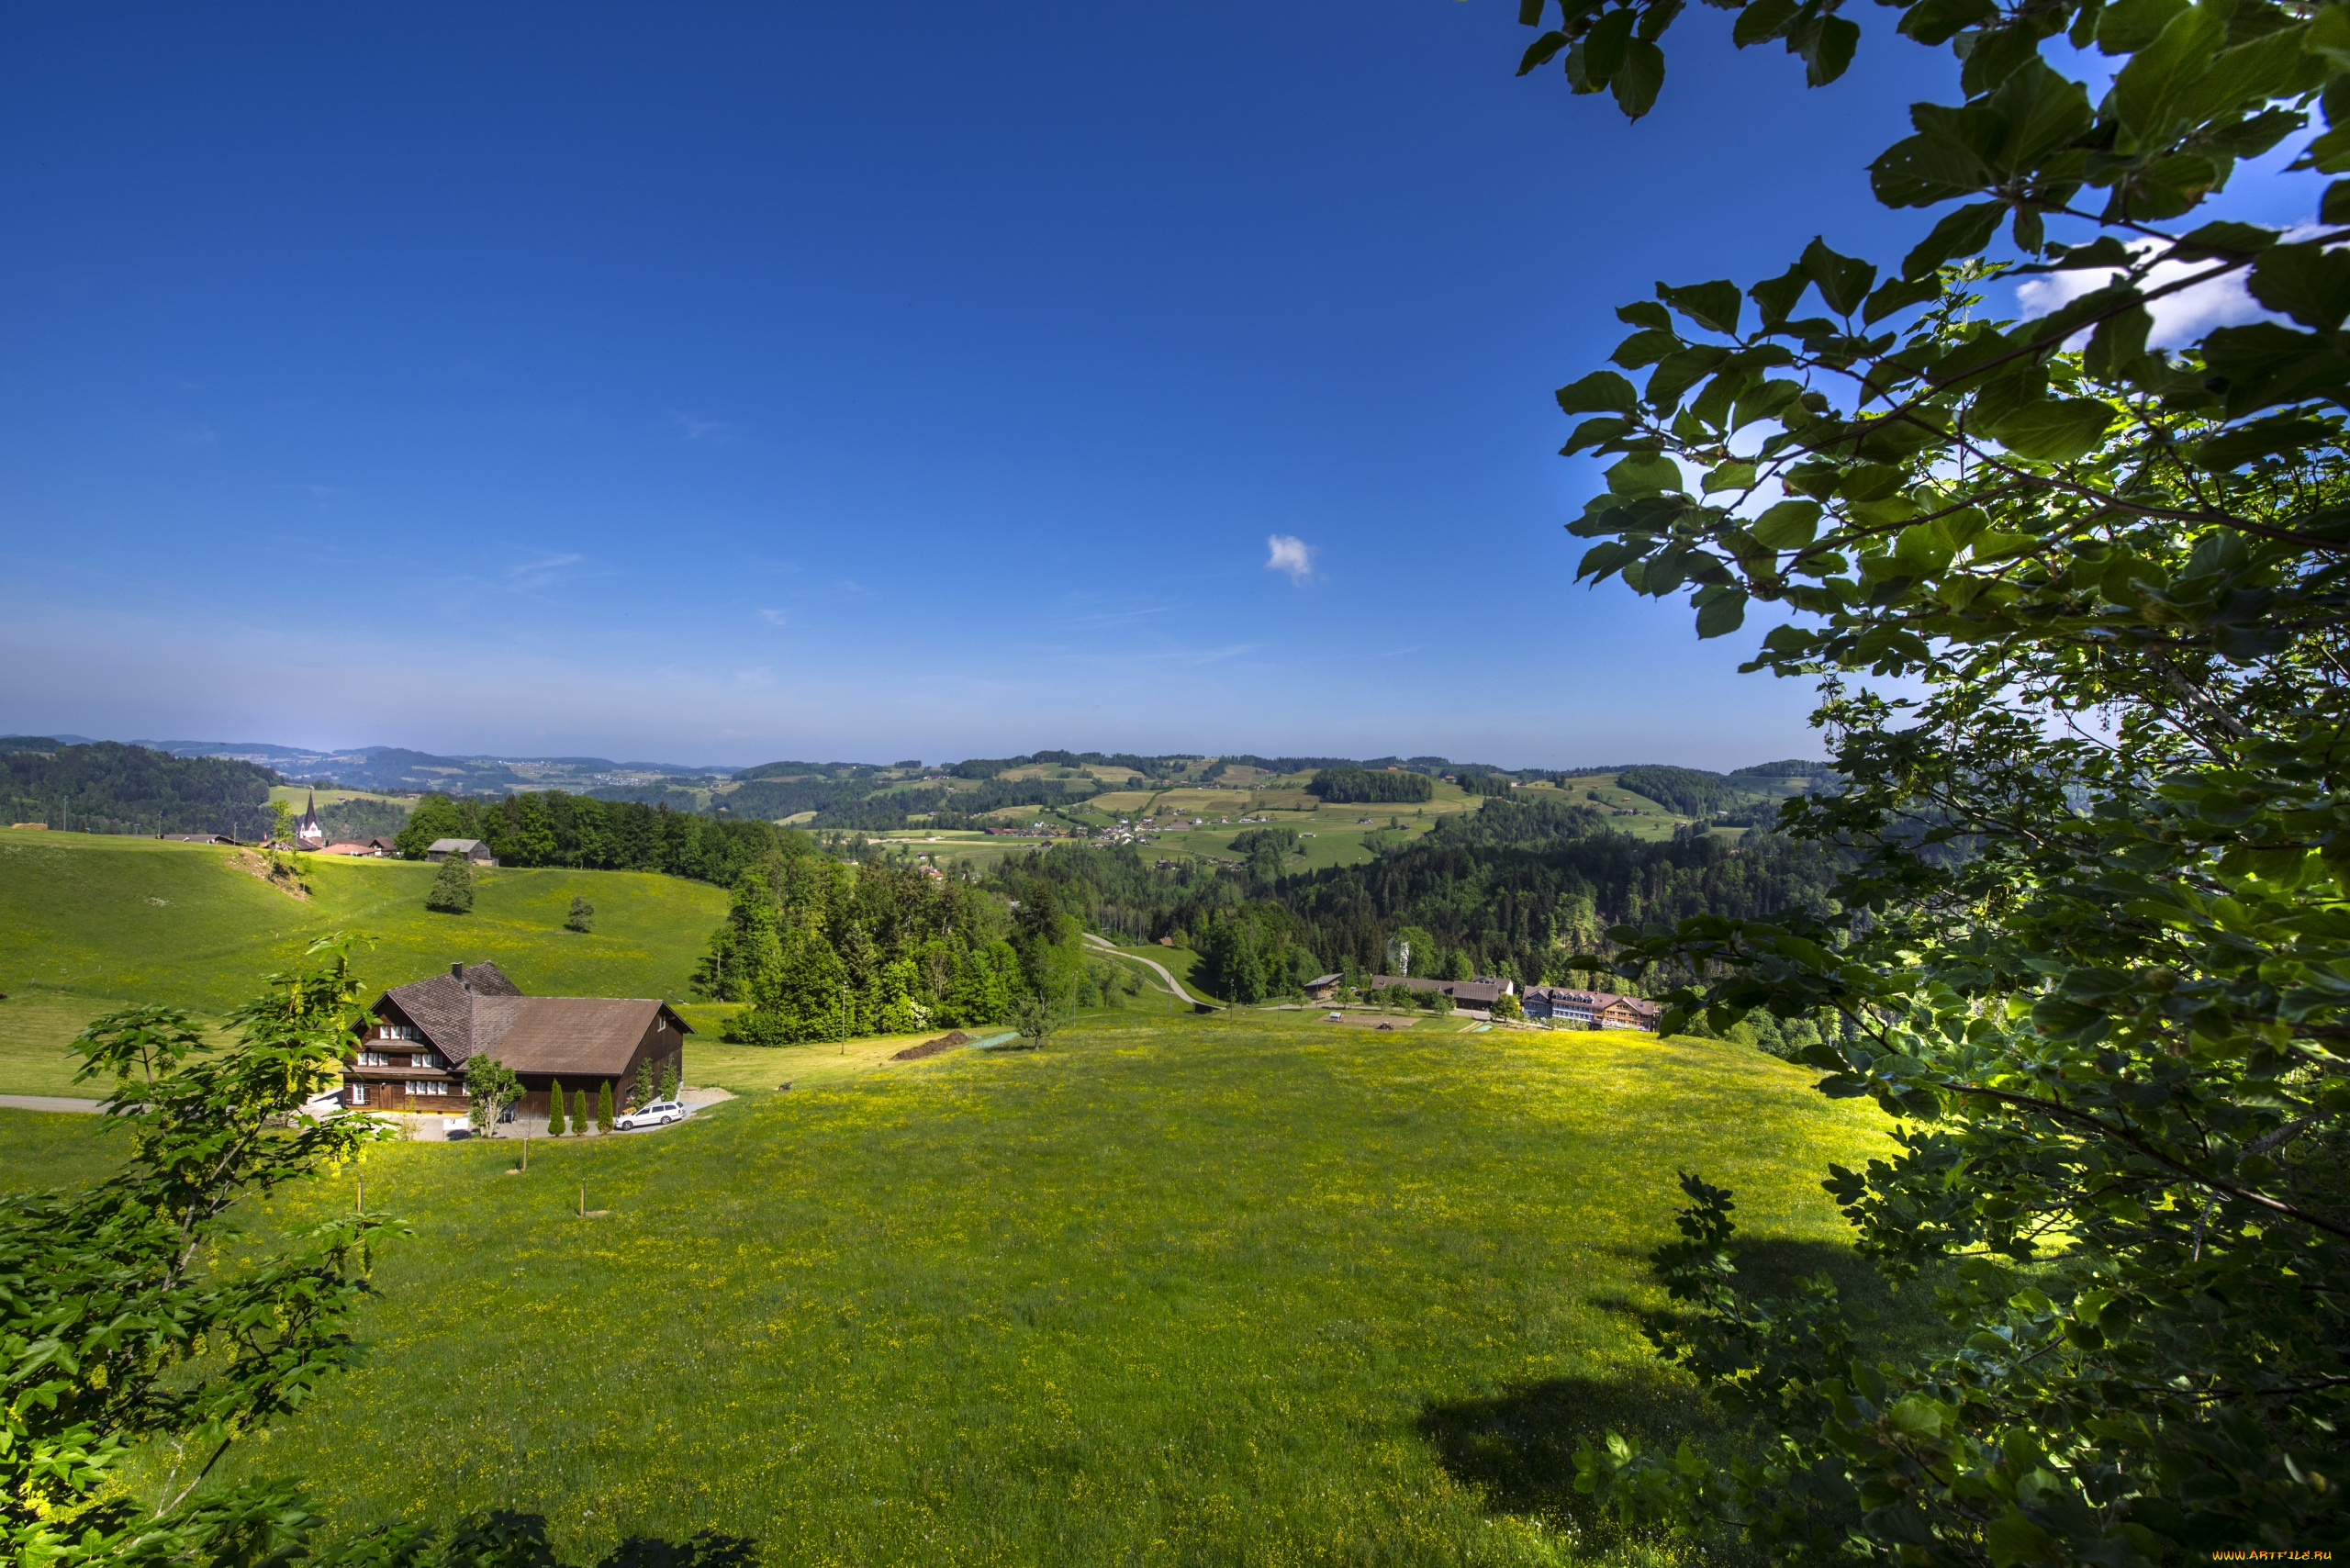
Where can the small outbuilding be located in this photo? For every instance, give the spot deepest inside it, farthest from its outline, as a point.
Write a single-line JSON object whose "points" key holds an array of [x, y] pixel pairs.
{"points": [[473, 849]]}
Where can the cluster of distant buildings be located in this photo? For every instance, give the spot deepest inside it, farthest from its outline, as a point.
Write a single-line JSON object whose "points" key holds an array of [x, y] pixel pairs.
{"points": [[1566, 1004]]}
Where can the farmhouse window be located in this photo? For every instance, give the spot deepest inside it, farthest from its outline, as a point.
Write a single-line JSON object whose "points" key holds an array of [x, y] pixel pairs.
{"points": [[423, 1058], [429, 1086], [398, 1032], [359, 1094], [373, 1059]]}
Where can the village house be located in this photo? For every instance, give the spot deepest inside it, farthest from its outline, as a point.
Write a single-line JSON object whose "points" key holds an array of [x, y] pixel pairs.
{"points": [[1322, 987], [1477, 995], [473, 849], [413, 1057], [1593, 1009], [377, 848]]}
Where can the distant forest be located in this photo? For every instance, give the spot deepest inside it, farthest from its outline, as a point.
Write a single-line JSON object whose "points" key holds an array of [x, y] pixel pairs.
{"points": [[1351, 785], [552, 828], [1514, 890], [107, 788]]}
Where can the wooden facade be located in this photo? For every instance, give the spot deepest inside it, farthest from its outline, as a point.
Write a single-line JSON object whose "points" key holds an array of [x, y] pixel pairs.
{"points": [[414, 1055]]}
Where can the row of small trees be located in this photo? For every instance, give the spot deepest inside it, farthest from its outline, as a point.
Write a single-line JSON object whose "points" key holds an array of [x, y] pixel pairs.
{"points": [[493, 1088]]}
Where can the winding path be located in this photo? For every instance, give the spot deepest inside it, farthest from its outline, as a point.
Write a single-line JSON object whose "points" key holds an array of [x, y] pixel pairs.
{"points": [[1100, 946]]}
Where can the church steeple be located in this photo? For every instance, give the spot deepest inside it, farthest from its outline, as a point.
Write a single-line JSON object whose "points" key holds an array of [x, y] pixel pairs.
{"points": [[308, 833]]}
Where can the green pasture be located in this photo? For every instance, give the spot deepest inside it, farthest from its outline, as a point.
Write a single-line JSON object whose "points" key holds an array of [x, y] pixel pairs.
{"points": [[90, 922], [1179, 1290]]}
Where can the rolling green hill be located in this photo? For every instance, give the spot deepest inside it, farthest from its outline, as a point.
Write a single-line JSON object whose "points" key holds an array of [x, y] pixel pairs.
{"points": [[1177, 1290], [89, 922]]}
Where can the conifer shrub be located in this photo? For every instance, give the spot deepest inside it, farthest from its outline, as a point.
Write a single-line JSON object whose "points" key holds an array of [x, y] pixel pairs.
{"points": [[579, 1112], [604, 1107], [555, 1110]]}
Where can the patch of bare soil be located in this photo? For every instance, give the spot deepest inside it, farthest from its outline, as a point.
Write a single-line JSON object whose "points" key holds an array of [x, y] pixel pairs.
{"points": [[952, 1040], [285, 882]]}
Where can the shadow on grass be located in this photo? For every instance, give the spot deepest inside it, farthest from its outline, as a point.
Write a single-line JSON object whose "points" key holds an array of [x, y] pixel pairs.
{"points": [[1519, 1446], [501, 1538]]}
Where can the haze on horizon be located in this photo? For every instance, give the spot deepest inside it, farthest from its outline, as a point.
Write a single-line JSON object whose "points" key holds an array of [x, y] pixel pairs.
{"points": [[724, 386]]}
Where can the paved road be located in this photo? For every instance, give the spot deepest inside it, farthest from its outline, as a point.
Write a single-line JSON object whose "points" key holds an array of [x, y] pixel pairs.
{"points": [[1172, 983], [46, 1103]]}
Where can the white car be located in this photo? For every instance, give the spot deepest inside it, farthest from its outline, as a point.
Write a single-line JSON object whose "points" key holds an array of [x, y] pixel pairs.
{"points": [[660, 1114]]}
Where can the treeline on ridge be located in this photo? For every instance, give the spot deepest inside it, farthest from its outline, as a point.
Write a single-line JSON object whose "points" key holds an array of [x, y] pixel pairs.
{"points": [[106, 787], [553, 828], [1513, 890]]}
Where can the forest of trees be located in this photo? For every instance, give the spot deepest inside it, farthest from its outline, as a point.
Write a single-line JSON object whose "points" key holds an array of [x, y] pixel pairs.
{"points": [[552, 828], [823, 950], [104, 787], [1688, 790], [1513, 888], [1363, 784]]}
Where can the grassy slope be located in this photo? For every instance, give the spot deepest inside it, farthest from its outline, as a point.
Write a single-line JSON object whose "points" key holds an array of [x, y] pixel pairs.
{"points": [[89, 922], [1198, 1291]]}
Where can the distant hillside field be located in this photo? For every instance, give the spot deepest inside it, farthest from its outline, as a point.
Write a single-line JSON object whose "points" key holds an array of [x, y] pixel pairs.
{"points": [[89, 922]]}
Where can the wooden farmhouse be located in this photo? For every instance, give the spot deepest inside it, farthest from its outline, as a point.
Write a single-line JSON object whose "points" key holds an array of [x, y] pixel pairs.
{"points": [[413, 1056]]}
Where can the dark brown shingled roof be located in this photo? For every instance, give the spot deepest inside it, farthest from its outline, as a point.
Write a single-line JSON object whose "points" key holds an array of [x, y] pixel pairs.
{"points": [[484, 1010]]}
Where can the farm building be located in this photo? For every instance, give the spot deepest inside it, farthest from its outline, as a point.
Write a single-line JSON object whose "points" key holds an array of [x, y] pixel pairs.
{"points": [[1477, 994], [473, 849], [413, 1057], [1597, 1009], [376, 848]]}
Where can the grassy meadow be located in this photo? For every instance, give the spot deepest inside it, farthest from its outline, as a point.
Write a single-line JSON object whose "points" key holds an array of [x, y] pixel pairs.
{"points": [[1176, 1290], [90, 922]]}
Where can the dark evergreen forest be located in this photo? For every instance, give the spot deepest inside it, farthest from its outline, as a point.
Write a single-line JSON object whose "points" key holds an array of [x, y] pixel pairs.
{"points": [[108, 787]]}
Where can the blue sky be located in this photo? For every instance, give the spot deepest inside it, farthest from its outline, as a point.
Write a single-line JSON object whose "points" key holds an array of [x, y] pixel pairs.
{"points": [[717, 383]]}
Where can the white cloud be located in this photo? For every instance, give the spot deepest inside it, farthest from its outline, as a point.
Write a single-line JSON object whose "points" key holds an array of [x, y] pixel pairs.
{"points": [[697, 428], [1287, 553], [773, 617], [2179, 318]]}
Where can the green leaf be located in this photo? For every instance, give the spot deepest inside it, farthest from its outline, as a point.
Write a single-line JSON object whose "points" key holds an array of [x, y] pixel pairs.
{"points": [[1645, 313], [1640, 78], [1730, 476], [2266, 363], [2148, 92], [1540, 52], [1898, 293], [1596, 432], [1677, 373], [2043, 110], [2014, 1539], [2334, 208], [1601, 392], [1918, 170], [2233, 449], [1831, 50], [1713, 306], [1720, 616], [1961, 233], [2056, 430], [1645, 347], [1762, 21], [1790, 525], [2306, 281], [1939, 21], [1644, 473], [2223, 238], [1843, 280], [1777, 296], [2119, 343], [1603, 47], [2125, 27]]}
